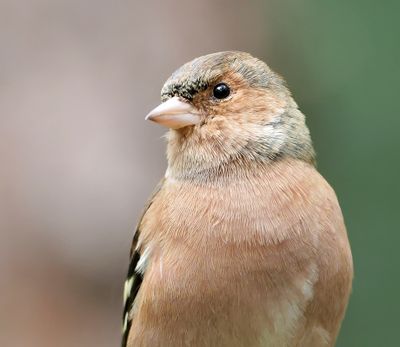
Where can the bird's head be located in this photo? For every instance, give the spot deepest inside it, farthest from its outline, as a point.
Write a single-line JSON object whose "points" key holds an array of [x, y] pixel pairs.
{"points": [[226, 108]]}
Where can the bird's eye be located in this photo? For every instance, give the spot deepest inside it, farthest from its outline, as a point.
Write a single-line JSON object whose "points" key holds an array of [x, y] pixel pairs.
{"points": [[221, 91]]}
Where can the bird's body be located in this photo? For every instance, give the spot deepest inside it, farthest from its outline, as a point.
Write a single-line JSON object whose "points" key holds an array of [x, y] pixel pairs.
{"points": [[244, 243]]}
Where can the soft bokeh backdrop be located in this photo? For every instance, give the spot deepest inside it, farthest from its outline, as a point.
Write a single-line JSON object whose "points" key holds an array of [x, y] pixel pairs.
{"points": [[78, 160]]}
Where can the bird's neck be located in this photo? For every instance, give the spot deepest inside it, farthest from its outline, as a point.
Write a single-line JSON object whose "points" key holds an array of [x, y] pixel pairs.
{"points": [[217, 172], [207, 162]]}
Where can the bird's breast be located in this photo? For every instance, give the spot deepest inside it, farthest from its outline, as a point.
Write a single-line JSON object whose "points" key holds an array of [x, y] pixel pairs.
{"points": [[233, 262]]}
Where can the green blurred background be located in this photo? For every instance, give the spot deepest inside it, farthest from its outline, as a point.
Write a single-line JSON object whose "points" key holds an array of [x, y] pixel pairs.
{"points": [[78, 160]]}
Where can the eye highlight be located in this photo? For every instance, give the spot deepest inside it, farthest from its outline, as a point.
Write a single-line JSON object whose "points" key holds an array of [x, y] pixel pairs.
{"points": [[221, 91]]}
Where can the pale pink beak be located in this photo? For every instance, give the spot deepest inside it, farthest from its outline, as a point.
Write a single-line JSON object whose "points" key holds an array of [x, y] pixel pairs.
{"points": [[175, 113]]}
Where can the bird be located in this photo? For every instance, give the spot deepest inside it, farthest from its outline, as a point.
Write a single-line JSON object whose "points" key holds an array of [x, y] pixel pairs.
{"points": [[243, 242]]}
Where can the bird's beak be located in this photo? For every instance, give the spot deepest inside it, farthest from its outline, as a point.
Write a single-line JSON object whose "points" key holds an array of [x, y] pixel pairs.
{"points": [[175, 113]]}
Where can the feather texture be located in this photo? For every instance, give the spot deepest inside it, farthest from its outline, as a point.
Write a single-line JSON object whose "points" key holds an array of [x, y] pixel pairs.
{"points": [[244, 243]]}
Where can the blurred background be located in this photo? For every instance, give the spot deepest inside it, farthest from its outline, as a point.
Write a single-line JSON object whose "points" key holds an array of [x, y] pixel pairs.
{"points": [[78, 161]]}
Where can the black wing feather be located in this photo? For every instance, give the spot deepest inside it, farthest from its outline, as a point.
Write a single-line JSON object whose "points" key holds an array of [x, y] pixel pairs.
{"points": [[134, 276]]}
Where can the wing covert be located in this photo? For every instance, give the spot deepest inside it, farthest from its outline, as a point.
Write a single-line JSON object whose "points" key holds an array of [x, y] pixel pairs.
{"points": [[134, 277]]}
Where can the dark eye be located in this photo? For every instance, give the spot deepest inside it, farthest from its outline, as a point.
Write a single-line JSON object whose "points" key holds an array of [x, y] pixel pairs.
{"points": [[221, 91]]}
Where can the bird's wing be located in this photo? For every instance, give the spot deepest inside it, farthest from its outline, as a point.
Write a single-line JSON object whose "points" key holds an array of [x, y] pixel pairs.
{"points": [[134, 277]]}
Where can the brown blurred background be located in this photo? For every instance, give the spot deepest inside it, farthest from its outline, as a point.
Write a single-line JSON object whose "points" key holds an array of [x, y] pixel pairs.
{"points": [[78, 161]]}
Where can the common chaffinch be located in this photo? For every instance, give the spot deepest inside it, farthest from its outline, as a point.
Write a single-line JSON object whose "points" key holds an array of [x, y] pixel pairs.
{"points": [[243, 242]]}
